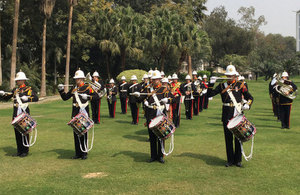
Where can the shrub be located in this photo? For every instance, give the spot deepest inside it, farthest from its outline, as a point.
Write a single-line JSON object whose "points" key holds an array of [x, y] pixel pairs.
{"points": [[128, 73]]}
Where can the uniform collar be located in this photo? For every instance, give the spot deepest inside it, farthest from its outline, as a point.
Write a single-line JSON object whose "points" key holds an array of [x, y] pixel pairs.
{"points": [[81, 84], [157, 86], [23, 85], [234, 81]]}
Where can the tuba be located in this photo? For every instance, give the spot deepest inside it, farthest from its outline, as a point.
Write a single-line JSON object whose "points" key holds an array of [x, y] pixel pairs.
{"points": [[95, 85], [285, 89]]}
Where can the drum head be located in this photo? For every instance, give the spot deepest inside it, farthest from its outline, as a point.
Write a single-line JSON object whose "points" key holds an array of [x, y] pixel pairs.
{"points": [[155, 121], [234, 121]]}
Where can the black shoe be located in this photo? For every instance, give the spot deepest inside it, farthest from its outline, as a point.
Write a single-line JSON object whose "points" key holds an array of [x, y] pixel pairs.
{"points": [[15, 155], [151, 160], [84, 157], [161, 160], [228, 164], [23, 155], [76, 157], [239, 164]]}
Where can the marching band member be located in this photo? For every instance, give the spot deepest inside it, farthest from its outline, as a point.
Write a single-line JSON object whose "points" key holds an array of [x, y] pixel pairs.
{"points": [[134, 87], [111, 98], [21, 94], [145, 81], [170, 79], [81, 94], [237, 89], [203, 89], [274, 96], [205, 96], [175, 89], [162, 74], [285, 102], [165, 83], [159, 94], [196, 95], [123, 87], [188, 89], [96, 103]]}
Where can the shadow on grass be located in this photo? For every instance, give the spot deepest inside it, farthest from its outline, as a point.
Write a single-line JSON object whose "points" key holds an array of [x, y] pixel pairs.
{"points": [[123, 122], [137, 156], [142, 132], [210, 160], [10, 151], [135, 137], [63, 154]]}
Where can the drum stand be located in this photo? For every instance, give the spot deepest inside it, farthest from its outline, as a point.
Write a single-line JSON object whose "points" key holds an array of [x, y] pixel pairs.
{"points": [[86, 144], [247, 158], [171, 146], [30, 140]]}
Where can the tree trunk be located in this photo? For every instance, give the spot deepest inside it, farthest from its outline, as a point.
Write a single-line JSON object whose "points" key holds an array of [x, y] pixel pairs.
{"points": [[14, 45], [190, 65], [55, 74], [181, 59], [43, 85], [67, 73], [162, 66], [123, 55], [107, 65], [0, 54]]}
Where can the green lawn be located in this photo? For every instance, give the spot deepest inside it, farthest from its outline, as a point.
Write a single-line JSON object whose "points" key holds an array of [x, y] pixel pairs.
{"points": [[120, 151]]}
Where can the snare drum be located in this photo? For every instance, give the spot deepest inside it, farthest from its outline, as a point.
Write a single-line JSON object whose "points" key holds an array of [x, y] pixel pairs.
{"points": [[242, 128], [24, 123], [162, 127], [81, 124]]}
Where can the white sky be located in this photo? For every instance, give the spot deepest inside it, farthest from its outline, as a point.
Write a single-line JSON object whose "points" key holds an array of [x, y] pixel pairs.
{"points": [[278, 13]]}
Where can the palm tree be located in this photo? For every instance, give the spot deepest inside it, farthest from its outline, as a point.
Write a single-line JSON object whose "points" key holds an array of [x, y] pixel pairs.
{"points": [[47, 8], [14, 45], [1, 9], [72, 3], [127, 33], [110, 49]]}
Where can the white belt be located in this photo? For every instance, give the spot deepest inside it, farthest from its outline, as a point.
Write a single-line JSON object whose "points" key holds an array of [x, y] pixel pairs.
{"points": [[228, 104], [157, 107]]}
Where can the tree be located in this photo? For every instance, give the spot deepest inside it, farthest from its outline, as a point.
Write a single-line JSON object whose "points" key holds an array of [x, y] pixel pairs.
{"points": [[46, 8], [1, 9], [72, 3], [14, 45]]}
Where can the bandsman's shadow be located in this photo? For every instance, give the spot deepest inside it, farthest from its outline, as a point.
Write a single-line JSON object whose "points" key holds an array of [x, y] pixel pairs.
{"points": [[137, 156], [209, 160], [137, 138], [63, 154], [9, 151]]}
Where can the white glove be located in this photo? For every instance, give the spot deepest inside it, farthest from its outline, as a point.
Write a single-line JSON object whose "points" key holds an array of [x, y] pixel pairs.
{"points": [[137, 94], [213, 80], [24, 98], [2, 93], [164, 100], [60, 87], [146, 103], [246, 107], [84, 96]]}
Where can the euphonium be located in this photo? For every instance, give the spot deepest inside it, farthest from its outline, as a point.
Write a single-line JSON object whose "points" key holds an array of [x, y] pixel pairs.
{"points": [[285, 89], [95, 85], [197, 83]]}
